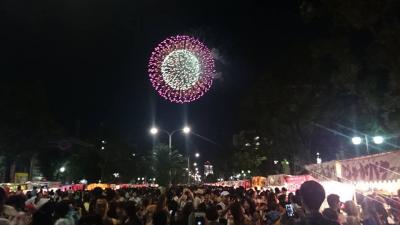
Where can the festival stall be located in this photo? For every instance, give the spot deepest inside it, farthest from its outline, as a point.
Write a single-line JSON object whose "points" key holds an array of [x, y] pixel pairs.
{"points": [[378, 172], [73, 187], [95, 185], [12, 187], [258, 182], [232, 183], [291, 183]]}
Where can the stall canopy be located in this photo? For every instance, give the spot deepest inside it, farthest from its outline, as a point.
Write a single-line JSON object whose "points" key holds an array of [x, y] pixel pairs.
{"points": [[371, 168]]}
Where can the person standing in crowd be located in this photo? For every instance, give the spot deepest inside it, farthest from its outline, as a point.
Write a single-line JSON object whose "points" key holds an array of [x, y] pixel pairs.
{"points": [[250, 211], [101, 209], [131, 212], [369, 216], [161, 214], [335, 205], [313, 195], [61, 214], [212, 216], [351, 210], [3, 197], [237, 215]]}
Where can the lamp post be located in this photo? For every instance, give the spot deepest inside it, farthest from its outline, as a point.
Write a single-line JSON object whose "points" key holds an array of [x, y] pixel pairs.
{"points": [[358, 140], [197, 155], [155, 130]]}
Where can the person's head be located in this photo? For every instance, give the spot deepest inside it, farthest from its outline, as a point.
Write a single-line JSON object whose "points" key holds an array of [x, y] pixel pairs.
{"points": [[212, 213], [331, 214], [97, 192], [19, 188], [61, 209], [350, 208], [120, 210], [225, 199], [249, 205], [333, 201], [284, 190], [162, 202], [237, 213], [101, 207], [16, 201], [312, 195], [291, 198], [187, 209], [277, 191], [131, 210], [282, 200]]}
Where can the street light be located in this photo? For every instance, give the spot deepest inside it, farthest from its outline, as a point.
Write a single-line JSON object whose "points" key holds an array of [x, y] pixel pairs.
{"points": [[356, 140], [186, 130], [197, 155], [194, 164], [62, 169], [153, 130], [378, 139]]}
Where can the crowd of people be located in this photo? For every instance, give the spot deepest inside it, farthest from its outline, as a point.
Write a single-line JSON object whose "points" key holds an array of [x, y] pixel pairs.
{"points": [[194, 206]]}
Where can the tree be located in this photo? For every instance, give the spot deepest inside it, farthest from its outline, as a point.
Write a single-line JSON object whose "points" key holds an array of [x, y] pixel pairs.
{"points": [[165, 162], [341, 81], [27, 127], [249, 153]]}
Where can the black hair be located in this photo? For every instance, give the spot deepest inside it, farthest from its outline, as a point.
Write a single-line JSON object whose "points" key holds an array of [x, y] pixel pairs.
{"points": [[212, 213], [312, 194]]}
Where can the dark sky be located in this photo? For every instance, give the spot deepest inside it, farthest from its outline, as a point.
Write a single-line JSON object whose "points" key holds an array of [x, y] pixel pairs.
{"points": [[92, 56]]}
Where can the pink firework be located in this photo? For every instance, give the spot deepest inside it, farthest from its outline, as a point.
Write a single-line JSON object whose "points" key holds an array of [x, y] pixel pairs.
{"points": [[181, 69]]}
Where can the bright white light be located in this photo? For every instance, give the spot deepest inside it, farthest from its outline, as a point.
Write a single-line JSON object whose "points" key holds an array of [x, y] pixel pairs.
{"points": [[248, 171], [83, 181], [142, 178], [181, 69], [138, 178], [194, 164], [116, 175], [102, 147], [197, 169], [247, 144], [197, 155], [153, 130], [62, 169], [103, 141], [257, 143], [275, 162], [256, 138], [378, 140], [186, 130], [133, 154], [356, 140]]}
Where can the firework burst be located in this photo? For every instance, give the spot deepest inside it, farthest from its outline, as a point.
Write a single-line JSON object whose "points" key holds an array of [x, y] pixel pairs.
{"points": [[181, 69]]}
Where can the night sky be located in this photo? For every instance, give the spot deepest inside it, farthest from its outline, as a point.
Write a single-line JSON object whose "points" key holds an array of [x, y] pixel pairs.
{"points": [[92, 57]]}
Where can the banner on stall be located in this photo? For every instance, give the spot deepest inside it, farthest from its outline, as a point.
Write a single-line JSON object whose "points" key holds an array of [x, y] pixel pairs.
{"points": [[378, 167]]}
